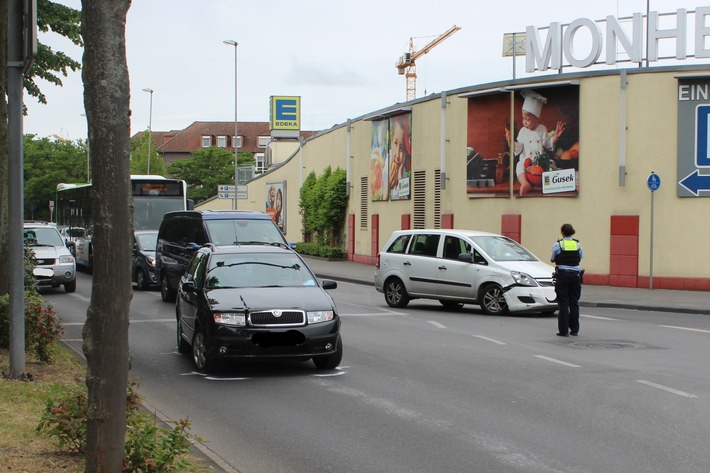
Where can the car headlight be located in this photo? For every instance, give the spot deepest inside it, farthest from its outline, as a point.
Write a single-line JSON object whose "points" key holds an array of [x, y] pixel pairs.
{"points": [[230, 318], [523, 279], [320, 316], [66, 259]]}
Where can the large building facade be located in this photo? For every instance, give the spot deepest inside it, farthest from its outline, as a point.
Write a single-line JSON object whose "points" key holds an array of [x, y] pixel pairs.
{"points": [[622, 154]]}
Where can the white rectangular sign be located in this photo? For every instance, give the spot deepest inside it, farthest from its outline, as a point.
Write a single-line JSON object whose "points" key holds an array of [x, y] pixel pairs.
{"points": [[561, 180]]}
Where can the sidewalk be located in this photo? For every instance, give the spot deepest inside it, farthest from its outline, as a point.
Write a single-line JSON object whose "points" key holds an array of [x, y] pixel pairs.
{"points": [[664, 300]]}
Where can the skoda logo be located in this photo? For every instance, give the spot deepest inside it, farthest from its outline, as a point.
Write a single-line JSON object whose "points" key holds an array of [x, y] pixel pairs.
{"points": [[277, 313]]}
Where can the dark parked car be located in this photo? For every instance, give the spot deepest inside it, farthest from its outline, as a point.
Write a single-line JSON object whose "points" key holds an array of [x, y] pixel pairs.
{"points": [[143, 269], [255, 301], [182, 232]]}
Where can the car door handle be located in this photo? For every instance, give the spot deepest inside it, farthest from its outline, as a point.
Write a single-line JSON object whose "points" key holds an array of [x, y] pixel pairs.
{"points": [[442, 267], [406, 263]]}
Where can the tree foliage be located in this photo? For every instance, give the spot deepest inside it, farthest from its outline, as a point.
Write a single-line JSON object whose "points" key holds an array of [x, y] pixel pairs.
{"points": [[323, 205], [206, 169], [50, 64], [139, 156], [47, 163]]}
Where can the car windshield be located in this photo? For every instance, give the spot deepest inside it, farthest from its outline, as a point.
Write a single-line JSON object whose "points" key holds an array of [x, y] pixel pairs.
{"points": [[503, 249], [258, 270], [42, 236], [147, 241], [235, 231]]}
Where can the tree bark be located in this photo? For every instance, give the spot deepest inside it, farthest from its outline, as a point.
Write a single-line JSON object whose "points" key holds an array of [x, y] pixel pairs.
{"points": [[106, 100]]}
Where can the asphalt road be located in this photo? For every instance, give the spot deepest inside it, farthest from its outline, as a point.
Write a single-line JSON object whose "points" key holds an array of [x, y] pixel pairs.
{"points": [[425, 390]]}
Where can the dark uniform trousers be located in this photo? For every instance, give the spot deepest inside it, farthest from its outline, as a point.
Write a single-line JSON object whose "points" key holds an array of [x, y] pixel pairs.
{"points": [[569, 290]]}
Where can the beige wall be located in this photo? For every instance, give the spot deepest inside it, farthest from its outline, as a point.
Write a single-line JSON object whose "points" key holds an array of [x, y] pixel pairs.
{"points": [[682, 225]]}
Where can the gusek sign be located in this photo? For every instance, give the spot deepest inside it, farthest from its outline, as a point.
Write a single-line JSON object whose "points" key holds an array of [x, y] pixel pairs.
{"points": [[564, 42]]}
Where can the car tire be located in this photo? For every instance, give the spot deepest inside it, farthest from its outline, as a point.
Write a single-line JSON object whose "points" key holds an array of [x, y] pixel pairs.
{"points": [[396, 293], [452, 305], [70, 286], [183, 347], [167, 294], [492, 300], [329, 362], [141, 280], [200, 357]]}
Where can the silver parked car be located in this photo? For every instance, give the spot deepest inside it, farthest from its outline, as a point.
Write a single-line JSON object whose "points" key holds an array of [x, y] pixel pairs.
{"points": [[55, 263], [460, 267]]}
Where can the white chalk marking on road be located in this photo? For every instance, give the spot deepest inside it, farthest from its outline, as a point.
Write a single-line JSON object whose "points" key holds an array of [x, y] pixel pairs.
{"points": [[685, 328], [330, 375], [67, 324], [436, 324], [666, 388], [543, 357], [213, 378], [598, 317], [72, 339], [492, 340]]}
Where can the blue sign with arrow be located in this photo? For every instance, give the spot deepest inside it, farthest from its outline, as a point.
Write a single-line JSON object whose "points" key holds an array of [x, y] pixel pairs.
{"points": [[696, 182]]}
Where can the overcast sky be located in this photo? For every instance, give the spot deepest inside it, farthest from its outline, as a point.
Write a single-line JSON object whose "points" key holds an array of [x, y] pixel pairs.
{"points": [[338, 56]]}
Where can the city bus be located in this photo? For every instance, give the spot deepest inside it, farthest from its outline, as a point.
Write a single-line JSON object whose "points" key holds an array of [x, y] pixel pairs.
{"points": [[152, 195]]}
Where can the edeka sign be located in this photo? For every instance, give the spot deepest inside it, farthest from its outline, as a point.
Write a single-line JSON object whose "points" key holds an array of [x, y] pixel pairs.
{"points": [[564, 41], [562, 180], [285, 113]]}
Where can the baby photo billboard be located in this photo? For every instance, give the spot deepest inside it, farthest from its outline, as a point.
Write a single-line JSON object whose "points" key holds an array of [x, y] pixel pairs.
{"points": [[391, 158], [545, 154]]}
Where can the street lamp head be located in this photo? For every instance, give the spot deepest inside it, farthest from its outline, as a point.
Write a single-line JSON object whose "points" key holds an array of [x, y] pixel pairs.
{"points": [[150, 91], [230, 42]]}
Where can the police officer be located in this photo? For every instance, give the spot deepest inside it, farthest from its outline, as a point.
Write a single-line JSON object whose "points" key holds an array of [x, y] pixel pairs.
{"points": [[566, 254]]}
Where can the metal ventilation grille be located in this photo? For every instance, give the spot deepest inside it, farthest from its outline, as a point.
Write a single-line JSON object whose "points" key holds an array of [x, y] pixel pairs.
{"points": [[363, 203], [437, 198], [419, 199]]}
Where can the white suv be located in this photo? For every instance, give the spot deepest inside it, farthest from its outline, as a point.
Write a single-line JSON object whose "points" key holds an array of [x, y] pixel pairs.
{"points": [[460, 267], [55, 263]]}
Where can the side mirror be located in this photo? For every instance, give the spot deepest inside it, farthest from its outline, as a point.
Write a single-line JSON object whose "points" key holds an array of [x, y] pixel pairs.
{"points": [[466, 257], [328, 284], [189, 286]]}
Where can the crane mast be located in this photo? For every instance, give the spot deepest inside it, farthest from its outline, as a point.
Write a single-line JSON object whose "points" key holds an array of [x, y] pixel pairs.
{"points": [[406, 65]]}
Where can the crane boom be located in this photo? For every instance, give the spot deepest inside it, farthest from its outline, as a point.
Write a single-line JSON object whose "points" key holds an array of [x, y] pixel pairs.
{"points": [[407, 62]]}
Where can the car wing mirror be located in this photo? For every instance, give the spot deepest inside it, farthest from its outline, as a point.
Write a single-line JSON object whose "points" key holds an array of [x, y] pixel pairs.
{"points": [[189, 286], [465, 257], [328, 284]]}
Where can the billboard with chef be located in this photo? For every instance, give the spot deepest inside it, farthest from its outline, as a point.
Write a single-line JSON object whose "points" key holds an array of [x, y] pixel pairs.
{"points": [[545, 155]]}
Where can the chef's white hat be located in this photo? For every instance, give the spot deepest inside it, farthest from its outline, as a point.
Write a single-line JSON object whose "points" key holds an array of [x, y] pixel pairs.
{"points": [[533, 102]]}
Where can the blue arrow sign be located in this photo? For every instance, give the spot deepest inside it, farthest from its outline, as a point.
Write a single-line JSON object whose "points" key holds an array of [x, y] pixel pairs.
{"points": [[654, 182], [696, 182]]}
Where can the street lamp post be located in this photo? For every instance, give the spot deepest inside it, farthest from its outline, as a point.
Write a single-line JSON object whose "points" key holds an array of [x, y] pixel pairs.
{"points": [[150, 125], [231, 42]]}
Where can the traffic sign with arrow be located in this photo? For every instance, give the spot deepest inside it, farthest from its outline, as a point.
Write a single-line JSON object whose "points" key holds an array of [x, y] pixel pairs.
{"points": [[696, 182]]}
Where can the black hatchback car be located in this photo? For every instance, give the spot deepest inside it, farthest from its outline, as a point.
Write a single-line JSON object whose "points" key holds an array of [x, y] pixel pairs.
{"points": [[255, 301], [143, 267]]}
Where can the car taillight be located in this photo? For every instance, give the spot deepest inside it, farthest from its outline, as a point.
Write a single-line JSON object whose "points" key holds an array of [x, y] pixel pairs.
{"points": [[377, 261]]}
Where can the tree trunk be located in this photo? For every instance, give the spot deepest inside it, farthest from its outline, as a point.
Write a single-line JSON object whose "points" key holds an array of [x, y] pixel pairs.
{"points": [[4, 180], [106, 101]]}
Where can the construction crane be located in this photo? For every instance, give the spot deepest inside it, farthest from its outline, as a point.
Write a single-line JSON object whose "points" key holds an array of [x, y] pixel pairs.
{"points": [[407, 62]]}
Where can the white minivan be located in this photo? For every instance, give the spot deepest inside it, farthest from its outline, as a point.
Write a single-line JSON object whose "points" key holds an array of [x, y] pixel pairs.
{"points": [[460, 267]]}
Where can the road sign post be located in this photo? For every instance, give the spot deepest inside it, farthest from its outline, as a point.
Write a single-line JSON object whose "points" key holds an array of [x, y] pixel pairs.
{"points": [[654, 183]]}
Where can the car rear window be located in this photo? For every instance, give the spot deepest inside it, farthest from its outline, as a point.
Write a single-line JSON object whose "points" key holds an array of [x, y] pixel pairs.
{"points": [[235, 231]]}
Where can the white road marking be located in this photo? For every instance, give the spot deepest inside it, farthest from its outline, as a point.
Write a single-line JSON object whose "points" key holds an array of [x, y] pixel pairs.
{"points": [[143, 321], [543, 357], [436, 324], [598, 317], [492, 340], [685, 328], [370, 314], [67, 324], [212, 378], [330, 375], [72, 339], [80, 297], [666, 388]]}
